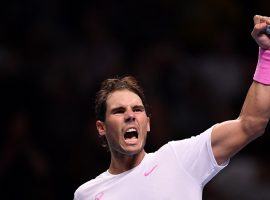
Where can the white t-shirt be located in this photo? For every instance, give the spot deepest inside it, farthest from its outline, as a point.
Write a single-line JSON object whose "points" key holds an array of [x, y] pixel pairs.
{"points": [[178, 170]]}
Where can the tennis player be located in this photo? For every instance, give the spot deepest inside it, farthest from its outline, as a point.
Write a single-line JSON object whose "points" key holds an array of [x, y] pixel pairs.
{"points": [[179, 169]]}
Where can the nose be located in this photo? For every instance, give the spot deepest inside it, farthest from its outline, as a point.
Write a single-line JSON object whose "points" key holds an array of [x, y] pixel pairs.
{"points": [[129, 116]]}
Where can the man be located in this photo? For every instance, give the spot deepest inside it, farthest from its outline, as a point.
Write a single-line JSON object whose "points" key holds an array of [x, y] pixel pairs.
{"points": [[179, 169]]}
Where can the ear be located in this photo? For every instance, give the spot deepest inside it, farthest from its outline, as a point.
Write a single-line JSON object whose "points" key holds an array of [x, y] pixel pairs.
{"points": [[101, 127], [148, 124]]}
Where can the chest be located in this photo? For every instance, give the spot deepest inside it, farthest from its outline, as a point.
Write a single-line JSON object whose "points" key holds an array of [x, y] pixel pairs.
{"points": [[155, 180]]}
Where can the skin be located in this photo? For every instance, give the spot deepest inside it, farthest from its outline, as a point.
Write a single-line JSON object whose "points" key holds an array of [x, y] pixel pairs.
{"points": [[227, 138], [124, 110], [231, 136]]}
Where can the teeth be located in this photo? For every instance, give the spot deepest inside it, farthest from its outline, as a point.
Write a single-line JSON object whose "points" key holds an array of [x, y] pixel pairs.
{"points": [[131, 129]]}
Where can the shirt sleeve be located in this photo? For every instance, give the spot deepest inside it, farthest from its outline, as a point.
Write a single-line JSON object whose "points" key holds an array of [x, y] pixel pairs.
{"points": [[196, 156], [75, 196]]}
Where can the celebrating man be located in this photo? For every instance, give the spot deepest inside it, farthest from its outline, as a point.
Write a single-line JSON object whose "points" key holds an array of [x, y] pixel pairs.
{"points": [[179, 169]]}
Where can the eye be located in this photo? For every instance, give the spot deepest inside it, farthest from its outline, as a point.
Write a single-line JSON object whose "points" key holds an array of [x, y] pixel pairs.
{"points": [[118, 111], [138, 109]]}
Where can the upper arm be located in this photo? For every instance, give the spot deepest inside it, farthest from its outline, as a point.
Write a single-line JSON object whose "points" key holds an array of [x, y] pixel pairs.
{"points": [[229, 137]]}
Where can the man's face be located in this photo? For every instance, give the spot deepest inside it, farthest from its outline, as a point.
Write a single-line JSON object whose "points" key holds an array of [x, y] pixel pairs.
{"points": [[126, 123]]}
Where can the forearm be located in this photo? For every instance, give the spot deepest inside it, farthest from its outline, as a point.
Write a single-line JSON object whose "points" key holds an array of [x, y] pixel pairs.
{"points": [[255, 112], [256, 109]]}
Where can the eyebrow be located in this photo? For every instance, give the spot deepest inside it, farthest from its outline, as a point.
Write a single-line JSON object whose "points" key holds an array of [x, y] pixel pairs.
{"points": [[123, 108]]}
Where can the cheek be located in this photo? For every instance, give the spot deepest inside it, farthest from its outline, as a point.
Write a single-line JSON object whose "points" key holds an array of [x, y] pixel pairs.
{"points": [[112, 132], [113, 126], [144, 123]]}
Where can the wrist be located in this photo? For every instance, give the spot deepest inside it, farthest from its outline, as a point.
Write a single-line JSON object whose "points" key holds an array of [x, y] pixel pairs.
{"points": [[262, 73]]}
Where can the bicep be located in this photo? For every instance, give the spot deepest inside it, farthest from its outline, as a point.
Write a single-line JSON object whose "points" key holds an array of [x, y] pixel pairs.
{"points": [[228, 138]]}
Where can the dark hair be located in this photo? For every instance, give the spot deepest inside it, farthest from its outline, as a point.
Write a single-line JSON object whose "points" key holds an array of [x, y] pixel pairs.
{"points": [[113, 84]]}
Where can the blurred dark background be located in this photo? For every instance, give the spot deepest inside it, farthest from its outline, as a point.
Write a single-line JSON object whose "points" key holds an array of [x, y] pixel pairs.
{"points": [[195, 60]]}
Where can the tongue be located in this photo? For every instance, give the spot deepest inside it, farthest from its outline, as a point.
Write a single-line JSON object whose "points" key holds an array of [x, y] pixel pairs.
{"points": [[130, 138]]}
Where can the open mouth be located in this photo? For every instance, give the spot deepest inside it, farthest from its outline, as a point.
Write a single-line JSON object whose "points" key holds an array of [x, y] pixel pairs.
{"points": [[131, 134]]}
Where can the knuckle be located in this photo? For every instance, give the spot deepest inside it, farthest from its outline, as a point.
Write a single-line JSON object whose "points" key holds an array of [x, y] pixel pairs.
{"points": [[256, 17], [257, 27]]}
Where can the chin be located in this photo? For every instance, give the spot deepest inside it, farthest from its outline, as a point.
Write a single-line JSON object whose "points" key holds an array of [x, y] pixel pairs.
{"points": [[131, 151]]}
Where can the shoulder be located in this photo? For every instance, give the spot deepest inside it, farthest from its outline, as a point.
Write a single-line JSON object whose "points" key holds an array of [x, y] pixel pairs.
{"points": [[194, 141], [188, 148], [88, 187]]}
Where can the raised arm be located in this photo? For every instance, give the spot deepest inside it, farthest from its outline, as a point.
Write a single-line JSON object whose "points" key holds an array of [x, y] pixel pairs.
{"points": [[231, 136]]}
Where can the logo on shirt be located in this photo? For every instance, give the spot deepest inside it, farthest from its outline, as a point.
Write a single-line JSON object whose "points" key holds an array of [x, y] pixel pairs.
{"points": [[99, 196], [150, 171]]}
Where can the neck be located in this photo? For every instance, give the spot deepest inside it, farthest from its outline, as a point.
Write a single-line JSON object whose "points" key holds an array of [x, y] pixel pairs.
{"points": [[121, 163]]}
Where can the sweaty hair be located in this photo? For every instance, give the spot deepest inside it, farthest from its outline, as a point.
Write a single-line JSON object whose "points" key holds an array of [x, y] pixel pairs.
{"points": [[108, 86]]}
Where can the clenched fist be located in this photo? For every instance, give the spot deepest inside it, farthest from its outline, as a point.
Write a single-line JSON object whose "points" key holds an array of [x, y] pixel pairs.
{"points": [[258, 33]]}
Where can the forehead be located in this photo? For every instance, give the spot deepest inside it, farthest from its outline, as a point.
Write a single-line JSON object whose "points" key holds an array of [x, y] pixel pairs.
{"points": [[123, 98]]}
